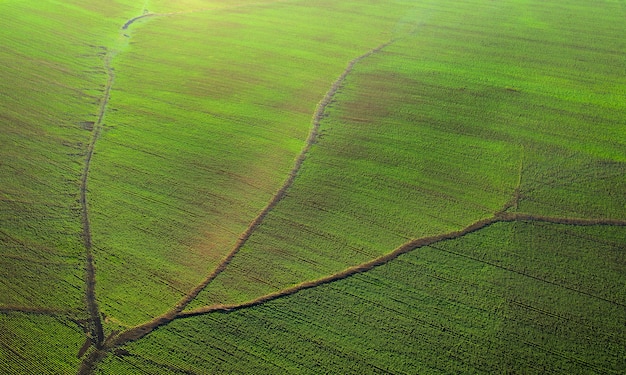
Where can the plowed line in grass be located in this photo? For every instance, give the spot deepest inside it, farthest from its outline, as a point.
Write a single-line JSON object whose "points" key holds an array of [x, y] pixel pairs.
{"points": [[364, 267], [413, 245], [97, 333], [96, 329]]}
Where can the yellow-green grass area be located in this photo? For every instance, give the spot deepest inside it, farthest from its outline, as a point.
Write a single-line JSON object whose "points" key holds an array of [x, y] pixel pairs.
{"points": [[436, 131], [50, 86], [402, 154], [208, 112], [501, 300], [34, 344], [185, 6]]}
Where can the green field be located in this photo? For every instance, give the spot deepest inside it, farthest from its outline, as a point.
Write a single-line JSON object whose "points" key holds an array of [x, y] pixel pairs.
{"points": [[457, 198]]}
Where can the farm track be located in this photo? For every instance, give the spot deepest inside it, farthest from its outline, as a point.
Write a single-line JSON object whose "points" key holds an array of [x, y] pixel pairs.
{"points": [[280, 194], [410, 246], [142, 330], [95, 323]]}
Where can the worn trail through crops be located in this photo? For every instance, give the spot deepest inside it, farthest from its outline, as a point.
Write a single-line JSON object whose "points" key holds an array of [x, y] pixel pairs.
{"points": [[280, 194], [95, 323], [96, 332], [407, 247]]}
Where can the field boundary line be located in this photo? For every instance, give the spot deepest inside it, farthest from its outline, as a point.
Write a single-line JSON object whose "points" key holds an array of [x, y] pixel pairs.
{"points": [[143, 329], [96, 328], [97, 332], [350, 271]]}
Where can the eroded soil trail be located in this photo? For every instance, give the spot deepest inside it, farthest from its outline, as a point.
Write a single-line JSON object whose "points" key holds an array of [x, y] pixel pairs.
{"points": [[405, 248], [95, 323], [280, 194]]}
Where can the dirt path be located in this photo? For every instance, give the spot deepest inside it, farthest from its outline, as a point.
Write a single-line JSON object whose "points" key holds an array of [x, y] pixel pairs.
{"points": [[280, 194], [95, 324], [405, 248]]}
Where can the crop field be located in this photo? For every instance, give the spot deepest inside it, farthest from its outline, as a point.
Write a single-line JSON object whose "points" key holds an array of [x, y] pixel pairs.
{"points": [[258, 186]]}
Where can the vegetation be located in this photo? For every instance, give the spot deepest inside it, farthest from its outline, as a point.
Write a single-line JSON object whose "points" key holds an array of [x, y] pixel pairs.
{"points": [[459, 210], [500, 300], [198, 138], [434, 133]]}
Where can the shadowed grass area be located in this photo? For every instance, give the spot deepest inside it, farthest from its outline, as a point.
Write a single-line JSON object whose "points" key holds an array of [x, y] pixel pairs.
{"points": [[501, 299], [32, 344]]}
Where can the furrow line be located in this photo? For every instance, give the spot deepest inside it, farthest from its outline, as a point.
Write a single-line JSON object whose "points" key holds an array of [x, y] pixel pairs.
{"points": [[96, 330], [407, 247]]}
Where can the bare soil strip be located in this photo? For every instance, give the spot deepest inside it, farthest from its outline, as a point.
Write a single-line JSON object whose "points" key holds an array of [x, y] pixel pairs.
{"points": [[364, 267], [405, 248], [96, 330], [97, 333]]}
